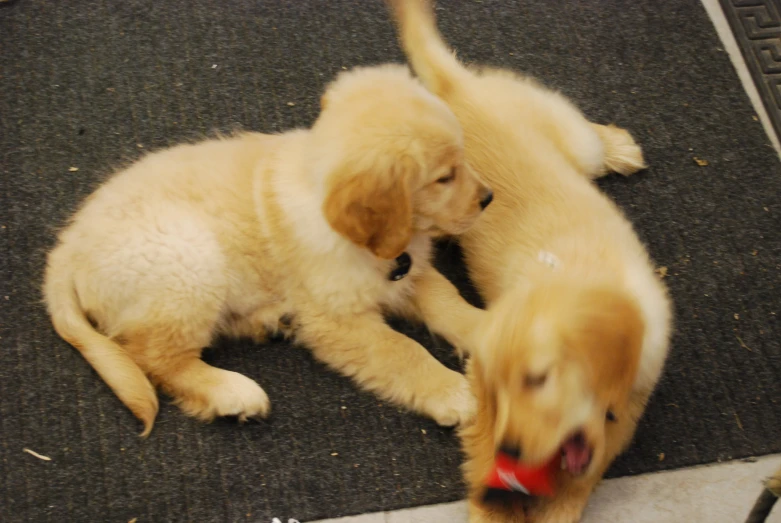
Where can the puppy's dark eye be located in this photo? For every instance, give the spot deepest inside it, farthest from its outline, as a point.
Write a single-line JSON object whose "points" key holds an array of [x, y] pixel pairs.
{"points": [[535, 381], [449, 177], [611, 416]]}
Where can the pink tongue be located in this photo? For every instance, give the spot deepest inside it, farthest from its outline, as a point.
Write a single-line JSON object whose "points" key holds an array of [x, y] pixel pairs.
{"points": [[577, 454]]}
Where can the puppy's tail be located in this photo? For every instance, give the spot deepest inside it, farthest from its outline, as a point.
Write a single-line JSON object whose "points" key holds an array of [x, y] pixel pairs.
{"points": [[108, 358], [431, 58]]}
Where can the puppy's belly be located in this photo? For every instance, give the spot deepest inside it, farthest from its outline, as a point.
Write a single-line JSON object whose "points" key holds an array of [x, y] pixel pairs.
{"points": [[256, 315]]}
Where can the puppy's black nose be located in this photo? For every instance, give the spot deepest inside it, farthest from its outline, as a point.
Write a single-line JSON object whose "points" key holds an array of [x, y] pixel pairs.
{"points": [[487, 199], [511, 451]]}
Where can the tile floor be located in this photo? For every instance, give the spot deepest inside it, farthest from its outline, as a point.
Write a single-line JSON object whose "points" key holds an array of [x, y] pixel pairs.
{"points": [[721, 493]]}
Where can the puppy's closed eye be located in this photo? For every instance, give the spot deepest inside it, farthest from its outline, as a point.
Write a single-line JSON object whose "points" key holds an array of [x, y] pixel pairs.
{"points": [[535, 381], [449, 177]]}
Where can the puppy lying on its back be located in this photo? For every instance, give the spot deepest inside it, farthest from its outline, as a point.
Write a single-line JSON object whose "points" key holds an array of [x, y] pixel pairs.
{"points": [[578, 324], [242, 235]]}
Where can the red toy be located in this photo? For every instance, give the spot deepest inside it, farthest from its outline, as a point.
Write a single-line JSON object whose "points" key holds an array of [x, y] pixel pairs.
{"points": [[510, 475]]}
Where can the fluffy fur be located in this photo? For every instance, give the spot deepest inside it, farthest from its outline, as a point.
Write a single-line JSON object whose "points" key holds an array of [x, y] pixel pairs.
{"points": [[578, 324], [256, 233]]}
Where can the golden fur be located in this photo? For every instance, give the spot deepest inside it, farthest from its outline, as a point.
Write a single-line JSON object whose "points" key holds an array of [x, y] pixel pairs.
{"points": [[257, 233], [578, 325]]}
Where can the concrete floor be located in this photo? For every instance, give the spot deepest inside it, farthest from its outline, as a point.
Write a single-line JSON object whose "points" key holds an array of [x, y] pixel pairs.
{"points": [[722, 493]]}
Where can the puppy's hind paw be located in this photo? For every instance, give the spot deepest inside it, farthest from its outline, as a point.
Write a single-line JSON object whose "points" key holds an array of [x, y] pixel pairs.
{"points": [[232, 395], [239, 396]]}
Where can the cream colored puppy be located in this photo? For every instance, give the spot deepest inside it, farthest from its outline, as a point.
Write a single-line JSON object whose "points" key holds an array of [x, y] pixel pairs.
{"points": [[578, 325], [242, 236]]}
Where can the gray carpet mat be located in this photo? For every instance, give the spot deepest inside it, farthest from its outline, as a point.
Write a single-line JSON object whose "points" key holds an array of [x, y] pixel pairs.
{"points": [[93, 84]]}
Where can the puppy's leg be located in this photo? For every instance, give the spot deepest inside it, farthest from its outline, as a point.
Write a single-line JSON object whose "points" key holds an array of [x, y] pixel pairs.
{"points": [[622, 154], [445, 311], [389, 364], [206, 392], [257, 326], [260, 325], [200, 390]]}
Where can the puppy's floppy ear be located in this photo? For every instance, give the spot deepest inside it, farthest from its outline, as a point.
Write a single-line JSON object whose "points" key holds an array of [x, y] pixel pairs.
{"points": [[491, 421], [373, 207], [610, 330]]}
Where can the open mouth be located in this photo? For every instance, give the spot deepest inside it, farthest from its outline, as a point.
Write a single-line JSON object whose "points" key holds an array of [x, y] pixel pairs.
{"points": [[576, 454]]}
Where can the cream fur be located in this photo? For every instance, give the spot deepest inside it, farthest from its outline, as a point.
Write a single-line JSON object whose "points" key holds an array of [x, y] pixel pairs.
{"points": [[236, 236], [539, 154]]}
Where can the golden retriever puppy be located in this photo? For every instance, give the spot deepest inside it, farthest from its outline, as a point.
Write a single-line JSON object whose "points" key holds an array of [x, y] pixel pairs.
{"points": [[578, 324], [316, 231]]}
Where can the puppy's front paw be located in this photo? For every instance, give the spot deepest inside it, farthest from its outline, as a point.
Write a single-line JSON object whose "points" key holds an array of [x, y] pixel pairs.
{"points": [[451, 401]]}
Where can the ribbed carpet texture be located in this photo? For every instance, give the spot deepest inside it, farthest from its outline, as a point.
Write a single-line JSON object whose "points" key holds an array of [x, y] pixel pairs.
{"points": [[87, 86]]}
